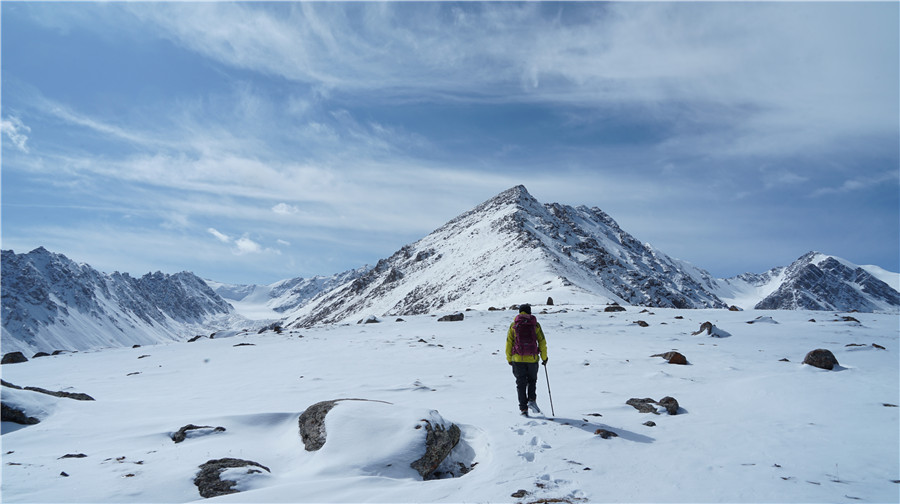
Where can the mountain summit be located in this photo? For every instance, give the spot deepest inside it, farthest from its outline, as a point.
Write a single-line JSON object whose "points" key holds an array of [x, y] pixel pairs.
{"points": [[512, 249]]}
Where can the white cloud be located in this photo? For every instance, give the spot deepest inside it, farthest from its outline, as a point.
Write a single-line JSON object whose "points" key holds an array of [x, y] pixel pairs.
{"points": [[283, 242], [16, 131], [285, 209], [219, 236], [247, 246]]}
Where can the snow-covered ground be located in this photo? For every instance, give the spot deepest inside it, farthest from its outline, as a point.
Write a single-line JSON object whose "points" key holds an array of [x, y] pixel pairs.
{"points": [[752, 428]]}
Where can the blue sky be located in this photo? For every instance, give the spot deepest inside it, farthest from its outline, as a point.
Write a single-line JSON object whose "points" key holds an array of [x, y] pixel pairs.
{"points": [[253, 142]]}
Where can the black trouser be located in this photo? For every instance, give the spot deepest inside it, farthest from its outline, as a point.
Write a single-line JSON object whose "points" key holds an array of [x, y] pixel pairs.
{"points": [[526, 374]]}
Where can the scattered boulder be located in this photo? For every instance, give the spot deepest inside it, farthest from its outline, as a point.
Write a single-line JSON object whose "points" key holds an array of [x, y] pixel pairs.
{"points": [[821, 358], [605, 434], [209, 481], [647, 405], [13, 358], [15, 415], [734, 308], [670, 404], [439, 442], [371, 319], [312, 425], [650, 423], [762, 320], [613, 308], [456, 317], [673, 358], [182, 433], [40, 354], [711, 330], [395, 441], [642, 323], [549, 301]]}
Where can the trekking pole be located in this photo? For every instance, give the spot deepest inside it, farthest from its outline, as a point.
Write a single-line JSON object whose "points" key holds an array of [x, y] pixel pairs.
{"points": [[547, 375]]}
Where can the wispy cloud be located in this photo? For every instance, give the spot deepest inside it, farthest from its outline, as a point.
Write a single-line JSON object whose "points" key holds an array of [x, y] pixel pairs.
{"points": [[861, 183], [17, 132], [222, 237]]}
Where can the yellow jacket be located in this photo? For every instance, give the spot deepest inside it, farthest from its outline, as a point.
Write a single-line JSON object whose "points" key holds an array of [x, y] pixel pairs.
{"points": [[511, 339]]}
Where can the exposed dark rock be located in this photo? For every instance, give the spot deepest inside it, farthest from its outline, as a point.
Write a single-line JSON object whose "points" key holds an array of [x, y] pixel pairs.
{"points": [[312, 425], [642, 323], [209, 481], [40, 354], [673, 358], [439, 442], [195, 338], [650, 423], [549, 301], [613, 308], [371, 319], [821, 358], [10, 414], [65, 395], [645, 405], [456, 317], [710, 329], [519, 494], [13, 358], [605, 434], [73, 455], [78, 396], [181, 435], [733, 308], [670, 404]]}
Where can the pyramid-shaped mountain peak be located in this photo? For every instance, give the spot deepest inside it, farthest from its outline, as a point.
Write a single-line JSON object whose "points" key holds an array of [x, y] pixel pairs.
{"points": [[512, 249]]}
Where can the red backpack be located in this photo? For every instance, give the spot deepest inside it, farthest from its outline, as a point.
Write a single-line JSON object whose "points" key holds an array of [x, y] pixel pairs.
{"points": [[526, 335]]}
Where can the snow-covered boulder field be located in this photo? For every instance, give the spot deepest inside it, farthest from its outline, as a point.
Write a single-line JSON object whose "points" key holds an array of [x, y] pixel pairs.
{"points": [[749, 422]]}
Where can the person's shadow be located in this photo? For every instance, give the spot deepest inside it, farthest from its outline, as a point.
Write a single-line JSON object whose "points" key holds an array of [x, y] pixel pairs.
{"points": [[593, 427]]}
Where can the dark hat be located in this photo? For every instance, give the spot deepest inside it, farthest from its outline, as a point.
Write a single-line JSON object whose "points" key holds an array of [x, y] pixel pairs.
{"points": [[525, 308]]}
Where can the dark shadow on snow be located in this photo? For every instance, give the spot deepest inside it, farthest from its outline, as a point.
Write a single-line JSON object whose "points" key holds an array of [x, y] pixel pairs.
{"points": [[593, 427]]}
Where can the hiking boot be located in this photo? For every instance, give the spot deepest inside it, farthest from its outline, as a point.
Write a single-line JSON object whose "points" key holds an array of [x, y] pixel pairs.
{"points": [[524, 412], [534, 407]]}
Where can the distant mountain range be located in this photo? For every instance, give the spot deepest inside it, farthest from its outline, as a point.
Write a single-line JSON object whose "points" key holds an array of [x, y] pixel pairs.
{"points": [[49, 303], [507, 250]]}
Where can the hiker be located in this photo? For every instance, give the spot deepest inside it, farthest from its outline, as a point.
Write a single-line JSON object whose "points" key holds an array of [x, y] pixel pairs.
{"points": [[525, 347]]}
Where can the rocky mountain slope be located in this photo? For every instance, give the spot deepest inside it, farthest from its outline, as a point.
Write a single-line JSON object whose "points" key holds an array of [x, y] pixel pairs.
{"points": [[511, 249], [49, 303], [815, 281]]}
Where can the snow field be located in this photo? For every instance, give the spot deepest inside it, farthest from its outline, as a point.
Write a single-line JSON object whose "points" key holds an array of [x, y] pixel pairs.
{"points": [[751, 428]]}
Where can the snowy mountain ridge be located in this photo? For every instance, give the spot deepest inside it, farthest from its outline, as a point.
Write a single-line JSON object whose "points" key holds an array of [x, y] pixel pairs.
{"points": [[507, 250], [50, 303], [511, 248], [263, 302]]}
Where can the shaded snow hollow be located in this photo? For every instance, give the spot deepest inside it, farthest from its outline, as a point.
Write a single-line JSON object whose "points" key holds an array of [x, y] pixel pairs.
{"points": [[752, 427]]}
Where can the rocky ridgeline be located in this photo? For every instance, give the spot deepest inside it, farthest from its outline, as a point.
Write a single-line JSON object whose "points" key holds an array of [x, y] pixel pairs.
{"points": [[45, 293]]}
